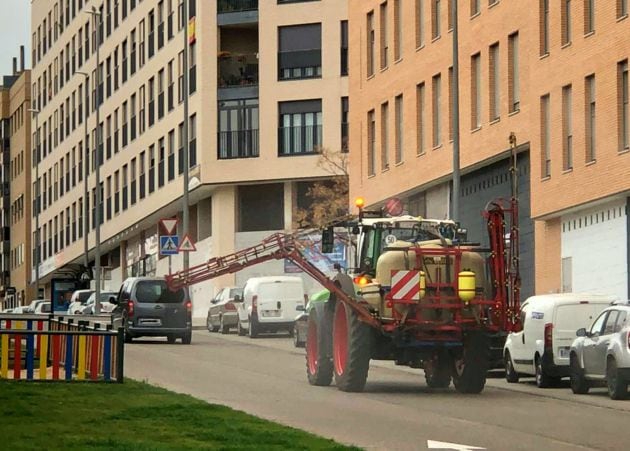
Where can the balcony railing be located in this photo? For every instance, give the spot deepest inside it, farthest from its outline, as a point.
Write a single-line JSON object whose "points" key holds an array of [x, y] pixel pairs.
{"points": [[233, 6], [299, 140], [238, 144], [238, 70]]}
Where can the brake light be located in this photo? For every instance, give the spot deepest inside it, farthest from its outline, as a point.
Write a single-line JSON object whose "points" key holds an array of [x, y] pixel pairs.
{"points": [[254, 303], [129, 308], [229, 306], [548, 336], [361, 280], [189, 306]]}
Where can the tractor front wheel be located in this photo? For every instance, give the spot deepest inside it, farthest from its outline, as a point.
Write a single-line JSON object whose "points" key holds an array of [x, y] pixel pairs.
{"points": [[470, 368], [319, 368], [352, 348]]}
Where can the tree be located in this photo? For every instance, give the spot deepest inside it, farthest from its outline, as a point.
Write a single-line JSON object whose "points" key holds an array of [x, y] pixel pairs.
{"points": [[326, 200]]}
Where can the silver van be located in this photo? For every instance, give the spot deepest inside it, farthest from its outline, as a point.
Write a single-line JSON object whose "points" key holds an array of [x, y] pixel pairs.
{"points": [[146, 307]]}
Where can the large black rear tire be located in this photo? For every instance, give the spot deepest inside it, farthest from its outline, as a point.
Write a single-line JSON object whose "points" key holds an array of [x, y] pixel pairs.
{"points": [[470, 368], [352, 349], [319, 367]]}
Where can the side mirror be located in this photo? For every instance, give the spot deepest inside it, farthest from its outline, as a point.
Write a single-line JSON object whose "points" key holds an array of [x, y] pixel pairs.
{"points": [[581, 332], [237, 298], [300, 308]]}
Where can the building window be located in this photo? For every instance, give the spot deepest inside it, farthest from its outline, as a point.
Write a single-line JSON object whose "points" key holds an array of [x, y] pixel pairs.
{"points": [[589, 16], [192, 68], [449, 13], [475, 91], [142, 175], [622, 8], [545, 136], [567, 274], [419, 23], [161, 162], [370, 43], [475, 7], [437, 110], [514, 83], [567, 128], [623, 106], [300, 130], [399, 120], [192, 141], [543, 23], [344, 124], [371, 151], [565, 21], [589, 90], [384, 136], [421, 118], [494, 82], [238, 129], [300, 54], [435, 19], [384, 48], [344, 48], [261, 207], [171, 155], [151, 40]]}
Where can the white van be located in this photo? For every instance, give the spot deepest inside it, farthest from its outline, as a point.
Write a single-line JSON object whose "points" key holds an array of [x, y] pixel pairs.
{"points": [[270, 304], [549, 321]]}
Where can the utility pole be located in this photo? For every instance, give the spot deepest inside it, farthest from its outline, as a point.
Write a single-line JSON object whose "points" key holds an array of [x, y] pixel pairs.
{"points": [[35, 113], [456, 159], [96, 16], [86, 161], [185, 134]]}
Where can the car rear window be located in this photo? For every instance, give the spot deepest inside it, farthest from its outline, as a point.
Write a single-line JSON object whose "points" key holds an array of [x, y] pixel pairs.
{"points": [[157, 292], [235, 291], [83, 297], [46, 307]]}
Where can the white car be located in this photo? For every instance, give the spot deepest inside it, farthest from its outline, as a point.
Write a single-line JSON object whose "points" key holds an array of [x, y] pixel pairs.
{"points": [[78, 300], [107, 306], [43, 308], [270, 304], [542, 347]]}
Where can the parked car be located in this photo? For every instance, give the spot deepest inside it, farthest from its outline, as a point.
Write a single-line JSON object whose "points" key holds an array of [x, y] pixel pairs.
{"points": [[33, 305], [22, 309], [43, 308], [147, 307], [541, 348], [269, 304], [78, 300], [107, 306], [601, 353], [7, 310], [222, 314], [300, 327]]}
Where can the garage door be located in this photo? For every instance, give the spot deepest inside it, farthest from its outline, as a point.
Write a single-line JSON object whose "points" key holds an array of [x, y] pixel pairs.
{"points": [[595, 250], [492, 182]]}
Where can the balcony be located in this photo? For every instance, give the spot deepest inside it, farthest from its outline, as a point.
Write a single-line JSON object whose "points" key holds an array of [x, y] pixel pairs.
{"points": [[238, 76], [238, 144], [299, 140], [232, 12]]}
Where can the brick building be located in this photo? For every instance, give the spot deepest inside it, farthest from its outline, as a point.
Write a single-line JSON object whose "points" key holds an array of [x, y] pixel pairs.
{"points": [[553, 72]]}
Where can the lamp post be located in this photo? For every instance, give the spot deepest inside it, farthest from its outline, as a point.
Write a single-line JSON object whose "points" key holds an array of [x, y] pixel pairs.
{"points": [[455, 106], [96, 16], [86, 161], [186, 155], [35, 113]]}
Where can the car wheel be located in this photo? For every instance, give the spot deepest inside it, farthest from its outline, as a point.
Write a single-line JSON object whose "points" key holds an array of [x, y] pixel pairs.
{"points": [[617, 385], [579, 384], [511, 376], [223, 327], [127, 336], [296, 338], [241, 330], [187, 338], [171, 339], [542, 379], [209, 325], [252, 329]]}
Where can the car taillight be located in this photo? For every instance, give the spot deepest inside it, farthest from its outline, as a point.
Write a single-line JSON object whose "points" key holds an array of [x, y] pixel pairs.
{"points": [[628, 339], [548, 336], [254, 302], [188, 306], [130, 308], [229, 306]]}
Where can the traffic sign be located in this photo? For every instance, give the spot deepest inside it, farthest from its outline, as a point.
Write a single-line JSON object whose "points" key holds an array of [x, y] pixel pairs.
{"points": [[169, 225], [187, 245], [169, 244]]}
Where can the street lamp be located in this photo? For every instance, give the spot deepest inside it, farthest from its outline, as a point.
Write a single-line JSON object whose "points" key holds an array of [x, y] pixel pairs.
{"points": [[86, 160], [97, 163], [35, 113], [455, 107], [186, 163]]}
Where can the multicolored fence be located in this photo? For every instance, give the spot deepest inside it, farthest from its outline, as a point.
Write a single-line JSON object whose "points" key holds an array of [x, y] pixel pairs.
{"points": [[39, 348]]}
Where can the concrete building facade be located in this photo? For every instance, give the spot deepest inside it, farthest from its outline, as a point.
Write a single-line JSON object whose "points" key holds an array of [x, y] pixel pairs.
{"points": [[553, 73], [15, 129], [266, 92]]}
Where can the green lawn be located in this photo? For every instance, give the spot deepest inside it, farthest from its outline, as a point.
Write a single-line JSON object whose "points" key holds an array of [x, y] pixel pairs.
{"points": [[132, 416]]}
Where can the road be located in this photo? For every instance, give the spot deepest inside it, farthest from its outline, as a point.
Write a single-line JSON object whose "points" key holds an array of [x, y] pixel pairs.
{"points": [[266, 377]]}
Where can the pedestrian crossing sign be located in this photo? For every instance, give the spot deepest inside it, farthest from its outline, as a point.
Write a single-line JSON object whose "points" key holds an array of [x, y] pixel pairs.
{"points": [[169, 244]]}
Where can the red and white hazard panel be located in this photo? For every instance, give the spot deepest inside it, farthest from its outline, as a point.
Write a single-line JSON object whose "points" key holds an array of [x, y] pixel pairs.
{"points": [[405, 285]]}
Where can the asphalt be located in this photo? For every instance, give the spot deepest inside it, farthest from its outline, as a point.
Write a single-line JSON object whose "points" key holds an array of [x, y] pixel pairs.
{"points": [[266, 377]]}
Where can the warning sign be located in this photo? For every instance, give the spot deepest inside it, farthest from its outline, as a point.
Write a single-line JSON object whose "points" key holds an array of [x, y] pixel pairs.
{"points": [[187, 245]]}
